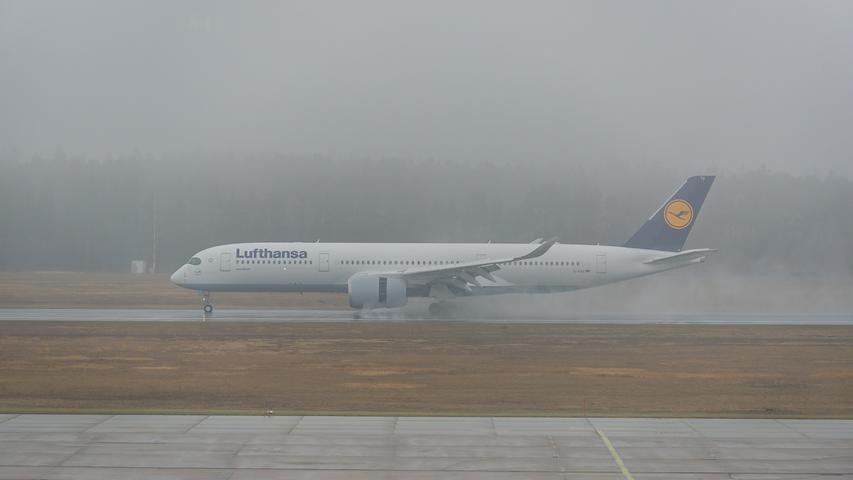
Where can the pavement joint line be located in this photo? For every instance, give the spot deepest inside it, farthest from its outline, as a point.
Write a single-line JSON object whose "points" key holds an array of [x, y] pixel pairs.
{"points": [[61, 463], [614, 454], [205, 417], [692, 428], [108, 418], [10, 418], [293, 427], [788, 427], [240, 450]]}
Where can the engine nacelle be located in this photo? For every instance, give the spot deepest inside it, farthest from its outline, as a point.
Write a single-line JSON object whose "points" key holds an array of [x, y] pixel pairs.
{"points": [[369, 290]]}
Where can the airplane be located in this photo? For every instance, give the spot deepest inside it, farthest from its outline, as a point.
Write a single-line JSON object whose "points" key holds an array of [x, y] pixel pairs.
{"points": [[386, 275]]}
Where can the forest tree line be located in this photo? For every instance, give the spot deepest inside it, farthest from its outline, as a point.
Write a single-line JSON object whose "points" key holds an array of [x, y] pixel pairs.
{"points": [[71, 213]]}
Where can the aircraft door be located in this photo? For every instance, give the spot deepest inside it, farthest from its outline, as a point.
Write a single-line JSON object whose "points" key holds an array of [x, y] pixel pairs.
{"points": [[324, 262], [601, 263], [225, 262]]}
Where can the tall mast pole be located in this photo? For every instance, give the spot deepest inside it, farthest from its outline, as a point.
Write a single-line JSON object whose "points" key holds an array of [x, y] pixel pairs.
{"points": [[154, 237]]}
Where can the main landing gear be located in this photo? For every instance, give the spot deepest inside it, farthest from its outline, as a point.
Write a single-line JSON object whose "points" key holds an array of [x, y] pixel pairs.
{"points": [[441, 309], [205, 300]]}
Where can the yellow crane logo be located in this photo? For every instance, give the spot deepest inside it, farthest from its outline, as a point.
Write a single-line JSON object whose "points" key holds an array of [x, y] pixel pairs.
{"points": [[678, 214]]}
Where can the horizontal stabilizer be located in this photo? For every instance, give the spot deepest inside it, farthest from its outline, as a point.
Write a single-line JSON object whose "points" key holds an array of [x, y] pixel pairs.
{"points": [[684, 256]]}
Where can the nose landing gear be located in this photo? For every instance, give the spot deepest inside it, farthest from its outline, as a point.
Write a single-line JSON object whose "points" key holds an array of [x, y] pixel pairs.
{"points": [[205, 300]]}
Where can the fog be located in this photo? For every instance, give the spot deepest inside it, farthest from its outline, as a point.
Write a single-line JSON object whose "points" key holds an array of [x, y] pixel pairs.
{"points": [[695, 84], [431, 121]]}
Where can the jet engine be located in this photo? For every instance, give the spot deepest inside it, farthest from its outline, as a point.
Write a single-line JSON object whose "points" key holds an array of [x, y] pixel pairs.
{"points": [[369, 290]]}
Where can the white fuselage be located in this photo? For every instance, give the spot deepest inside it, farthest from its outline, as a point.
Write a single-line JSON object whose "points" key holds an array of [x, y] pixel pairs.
{"points": [[326, 267]]}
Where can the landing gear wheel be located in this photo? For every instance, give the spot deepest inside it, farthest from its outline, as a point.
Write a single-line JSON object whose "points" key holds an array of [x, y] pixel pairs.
{"points": [[441, 310], [207, 307]]}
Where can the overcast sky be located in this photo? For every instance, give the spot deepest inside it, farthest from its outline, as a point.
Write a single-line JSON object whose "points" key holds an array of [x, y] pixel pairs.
{"points": [[693, 83]]}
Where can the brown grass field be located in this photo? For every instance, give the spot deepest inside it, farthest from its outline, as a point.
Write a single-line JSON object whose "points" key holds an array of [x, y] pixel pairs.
{"points": [[427, 368]]}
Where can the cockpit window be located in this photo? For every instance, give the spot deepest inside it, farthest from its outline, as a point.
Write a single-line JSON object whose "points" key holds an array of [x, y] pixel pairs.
{"points": [[195, 261]]}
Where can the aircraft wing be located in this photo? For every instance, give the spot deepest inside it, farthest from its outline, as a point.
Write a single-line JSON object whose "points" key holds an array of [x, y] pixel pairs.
{"points": [[680, 257], [463, 275]]}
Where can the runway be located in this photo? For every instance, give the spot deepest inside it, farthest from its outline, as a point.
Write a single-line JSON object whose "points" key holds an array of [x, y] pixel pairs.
{"points": [[192, 315], [235, 447]]}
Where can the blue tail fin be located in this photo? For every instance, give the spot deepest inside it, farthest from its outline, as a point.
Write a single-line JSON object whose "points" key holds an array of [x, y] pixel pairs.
{"points": [[668, 228]]}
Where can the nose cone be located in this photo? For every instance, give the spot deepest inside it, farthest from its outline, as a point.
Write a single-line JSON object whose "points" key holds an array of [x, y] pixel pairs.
{"points": [[178, 277]]}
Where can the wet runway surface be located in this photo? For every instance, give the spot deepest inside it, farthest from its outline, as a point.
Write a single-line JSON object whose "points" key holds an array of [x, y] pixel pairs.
{"points": [[153, 315], [241, 447]]}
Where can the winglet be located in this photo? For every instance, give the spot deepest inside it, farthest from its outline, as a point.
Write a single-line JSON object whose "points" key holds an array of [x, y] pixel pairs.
{"points": [[538, 251]]}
